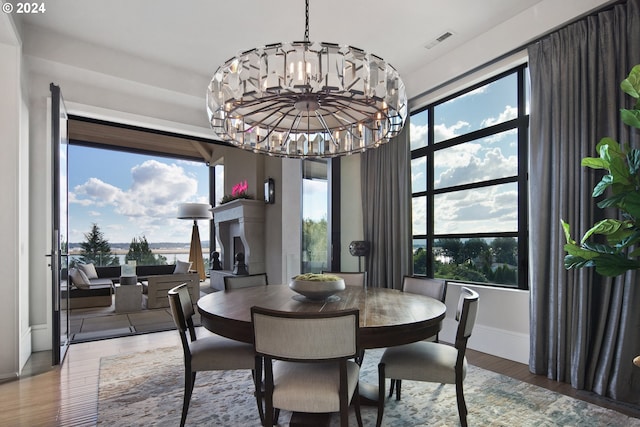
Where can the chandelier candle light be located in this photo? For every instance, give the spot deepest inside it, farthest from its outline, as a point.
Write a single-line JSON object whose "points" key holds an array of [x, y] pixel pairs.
{"points": [[306, 99]]}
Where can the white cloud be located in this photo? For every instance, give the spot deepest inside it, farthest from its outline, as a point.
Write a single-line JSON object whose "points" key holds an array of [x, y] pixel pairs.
{"points": [[149, 205], [418, 179], [442, 132], [418, 135], [468, 167], [97, 191], [508, 113], [489, 209], [73, 199]]}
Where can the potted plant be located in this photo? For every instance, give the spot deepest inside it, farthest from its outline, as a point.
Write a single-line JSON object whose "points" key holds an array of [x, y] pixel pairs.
{"points": [[239, 191], [620, 250]]}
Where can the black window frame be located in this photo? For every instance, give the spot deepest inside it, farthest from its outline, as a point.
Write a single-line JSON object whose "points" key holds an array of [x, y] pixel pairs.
{"points": [[521, 124]]}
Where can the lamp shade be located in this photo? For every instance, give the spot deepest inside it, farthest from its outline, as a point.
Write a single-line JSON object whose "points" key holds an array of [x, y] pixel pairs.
{"points": [[194, 211]]}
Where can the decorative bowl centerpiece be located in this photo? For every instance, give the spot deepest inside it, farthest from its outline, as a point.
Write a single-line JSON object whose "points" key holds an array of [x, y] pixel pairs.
{"points": [[315, 286]]}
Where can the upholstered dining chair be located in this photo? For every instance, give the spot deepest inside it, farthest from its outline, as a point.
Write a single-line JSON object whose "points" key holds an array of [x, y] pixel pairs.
{"points": [[350, 278], [434, 288], [210, 353], [239, 282], [306, 361], [431, 361]]}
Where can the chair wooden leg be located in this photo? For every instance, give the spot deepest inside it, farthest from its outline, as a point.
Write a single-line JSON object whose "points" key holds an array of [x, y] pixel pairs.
{"points": [[462, 406], [356, 404], [381, 381], [398, 387], [257, 380], [391, 387], [189, 381]]}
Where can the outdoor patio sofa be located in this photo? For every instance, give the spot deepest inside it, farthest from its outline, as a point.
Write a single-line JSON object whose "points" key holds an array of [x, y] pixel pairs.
{"points": [[156, 281]]}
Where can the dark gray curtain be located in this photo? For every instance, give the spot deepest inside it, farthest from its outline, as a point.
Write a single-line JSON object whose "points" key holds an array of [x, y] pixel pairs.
{"points": [[585, 328], [386, 207]]}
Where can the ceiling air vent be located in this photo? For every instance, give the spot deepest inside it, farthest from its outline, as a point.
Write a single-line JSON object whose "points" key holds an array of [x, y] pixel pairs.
{"points": [[439, 39]]}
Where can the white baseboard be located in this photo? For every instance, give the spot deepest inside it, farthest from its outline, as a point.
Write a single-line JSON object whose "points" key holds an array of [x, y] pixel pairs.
{"points": [[40, 337], [498, 342], [25, 348]]}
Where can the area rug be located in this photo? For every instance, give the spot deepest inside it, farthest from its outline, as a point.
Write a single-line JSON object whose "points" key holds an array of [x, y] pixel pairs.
{"points": [[144, 389]]}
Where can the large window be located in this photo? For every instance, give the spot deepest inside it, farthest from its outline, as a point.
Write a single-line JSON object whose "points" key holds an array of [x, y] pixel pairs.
{"points": [[469, 171], [315, 202], [123, 206]]}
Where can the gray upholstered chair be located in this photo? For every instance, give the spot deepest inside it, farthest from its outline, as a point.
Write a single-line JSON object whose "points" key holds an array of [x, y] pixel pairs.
{"points": [[430, 361], [211, 353], [239, 282], [306, 361], [350, 278], [434, 288]]}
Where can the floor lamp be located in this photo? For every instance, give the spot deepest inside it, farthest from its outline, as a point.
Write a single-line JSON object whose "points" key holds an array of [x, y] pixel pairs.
{"points": [[195, 211]]}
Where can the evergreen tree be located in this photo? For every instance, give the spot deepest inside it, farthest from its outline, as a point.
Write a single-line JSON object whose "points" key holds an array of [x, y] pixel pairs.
{"points": [[314, 239], [96, 249], [140, 251]]}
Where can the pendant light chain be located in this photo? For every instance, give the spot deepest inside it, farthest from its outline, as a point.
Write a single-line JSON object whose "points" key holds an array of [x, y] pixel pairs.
{"points": [[306, 25]]}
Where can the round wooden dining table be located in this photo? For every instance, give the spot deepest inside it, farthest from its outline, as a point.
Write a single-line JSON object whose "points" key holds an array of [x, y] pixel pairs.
{"points": [[388, 317]]}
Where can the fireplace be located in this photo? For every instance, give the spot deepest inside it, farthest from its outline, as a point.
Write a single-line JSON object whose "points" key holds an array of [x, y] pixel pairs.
{"points": [[240, 227]]}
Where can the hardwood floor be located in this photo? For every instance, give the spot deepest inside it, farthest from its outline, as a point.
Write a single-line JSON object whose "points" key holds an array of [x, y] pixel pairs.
{"points": [[68, 396]]}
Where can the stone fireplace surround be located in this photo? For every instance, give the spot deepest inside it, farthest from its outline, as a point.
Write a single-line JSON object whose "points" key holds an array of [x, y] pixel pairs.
{"points": [[241, 219]]}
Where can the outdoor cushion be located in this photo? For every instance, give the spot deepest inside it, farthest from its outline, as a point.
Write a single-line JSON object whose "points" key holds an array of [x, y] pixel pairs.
{"points": [[89, 270], [79, 279], [182, 267]]}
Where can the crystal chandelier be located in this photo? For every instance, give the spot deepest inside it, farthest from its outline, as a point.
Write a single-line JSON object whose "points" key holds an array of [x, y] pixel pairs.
{"points": [[306, 99]]}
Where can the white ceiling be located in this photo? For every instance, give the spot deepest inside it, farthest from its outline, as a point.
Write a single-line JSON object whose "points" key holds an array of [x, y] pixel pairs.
{"points": [[199, 35]]}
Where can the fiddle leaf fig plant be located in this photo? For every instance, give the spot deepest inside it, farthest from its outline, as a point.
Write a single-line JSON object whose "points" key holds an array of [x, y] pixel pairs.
{"points": [[619, 249]]}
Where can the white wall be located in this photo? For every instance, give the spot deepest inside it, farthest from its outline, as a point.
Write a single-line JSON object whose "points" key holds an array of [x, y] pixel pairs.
{"points": [[351, 224], [502, 325], [512, 34], [14, 217]]}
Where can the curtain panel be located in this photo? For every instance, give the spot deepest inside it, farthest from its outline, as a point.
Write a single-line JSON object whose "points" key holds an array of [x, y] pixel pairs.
{"points": [[386, 210], [585, 328]]}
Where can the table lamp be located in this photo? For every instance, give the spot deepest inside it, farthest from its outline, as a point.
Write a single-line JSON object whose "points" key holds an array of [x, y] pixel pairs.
{"points": [[195, 211]]}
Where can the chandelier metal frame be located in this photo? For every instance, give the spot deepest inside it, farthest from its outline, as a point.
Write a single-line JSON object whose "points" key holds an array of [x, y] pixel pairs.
{"points": [[306, 100]]}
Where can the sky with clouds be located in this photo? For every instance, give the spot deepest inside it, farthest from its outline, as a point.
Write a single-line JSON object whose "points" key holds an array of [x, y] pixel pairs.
{"points": [[132, 195], [492, 209]]}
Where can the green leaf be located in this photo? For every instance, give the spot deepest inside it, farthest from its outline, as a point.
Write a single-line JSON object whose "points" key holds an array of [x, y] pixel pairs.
{"points": [[619, 170], [607, 148], [594, 163], [600, 187], [631, 85], [631, 204], [620, 239], [606, 226], [580, 252], [615, 265], [567, 232], [630, 117], [632, 239], [613, 201], [633, 159], [600, 248], [571, 261]]}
